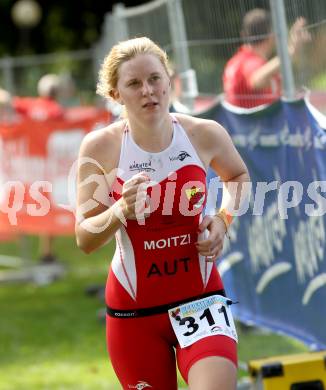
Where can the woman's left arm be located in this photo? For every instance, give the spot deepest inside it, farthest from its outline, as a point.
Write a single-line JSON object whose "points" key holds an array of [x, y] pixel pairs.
{"points": [[217, 150]]}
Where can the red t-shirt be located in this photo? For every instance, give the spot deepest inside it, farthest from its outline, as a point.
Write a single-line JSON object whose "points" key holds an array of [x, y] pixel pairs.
{"points": [[38, 108], [236, 80]]}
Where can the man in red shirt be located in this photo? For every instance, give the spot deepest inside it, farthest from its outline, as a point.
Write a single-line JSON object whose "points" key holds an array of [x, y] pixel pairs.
{"points": [[45, 106], [250, 77]]}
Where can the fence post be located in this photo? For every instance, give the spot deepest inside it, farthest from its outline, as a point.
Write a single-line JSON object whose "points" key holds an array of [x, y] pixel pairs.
{"points": [[181, 53], [120, 24], [8, 78], [280, 28], [115, 29], [104, 44]]}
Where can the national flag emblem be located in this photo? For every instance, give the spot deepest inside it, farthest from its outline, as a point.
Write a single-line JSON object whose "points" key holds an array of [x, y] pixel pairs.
{"points": [[196, 196]]}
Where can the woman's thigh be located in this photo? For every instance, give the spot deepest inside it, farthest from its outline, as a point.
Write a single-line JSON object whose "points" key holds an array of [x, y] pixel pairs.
{"points": [[141, 353], [221, 346], [212, 373]]}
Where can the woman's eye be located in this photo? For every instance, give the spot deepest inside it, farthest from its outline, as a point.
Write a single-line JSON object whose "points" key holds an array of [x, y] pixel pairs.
{"points": [[133, 83]]}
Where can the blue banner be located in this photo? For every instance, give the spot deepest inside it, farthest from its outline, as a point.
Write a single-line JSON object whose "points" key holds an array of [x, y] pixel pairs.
{"points": [[274, 263]]}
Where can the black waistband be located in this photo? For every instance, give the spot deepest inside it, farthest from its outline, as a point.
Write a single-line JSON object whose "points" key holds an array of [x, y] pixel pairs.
{"points": [[158, 309]]}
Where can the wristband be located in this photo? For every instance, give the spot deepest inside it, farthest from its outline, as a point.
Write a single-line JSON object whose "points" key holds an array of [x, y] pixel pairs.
{"points": [[226, 218]]}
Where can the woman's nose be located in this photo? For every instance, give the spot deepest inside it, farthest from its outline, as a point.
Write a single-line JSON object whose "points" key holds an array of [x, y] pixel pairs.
{"points": [[147, 89]]}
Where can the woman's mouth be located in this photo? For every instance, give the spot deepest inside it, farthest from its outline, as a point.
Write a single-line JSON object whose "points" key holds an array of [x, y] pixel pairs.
{"points": [[149, 104]]}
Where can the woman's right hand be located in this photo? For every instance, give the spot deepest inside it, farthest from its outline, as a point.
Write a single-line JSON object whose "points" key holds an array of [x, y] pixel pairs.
{"points": [[134, 195]]}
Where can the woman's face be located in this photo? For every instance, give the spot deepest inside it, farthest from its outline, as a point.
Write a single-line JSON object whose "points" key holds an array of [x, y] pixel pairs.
{"points": [[143, 87]]}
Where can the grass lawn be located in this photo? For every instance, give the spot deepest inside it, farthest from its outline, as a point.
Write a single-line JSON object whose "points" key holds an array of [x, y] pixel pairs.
{"points": [[51, 337]]}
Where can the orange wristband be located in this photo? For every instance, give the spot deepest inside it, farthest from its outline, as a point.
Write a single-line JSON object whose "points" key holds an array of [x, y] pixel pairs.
{"points": [[226, 218]]}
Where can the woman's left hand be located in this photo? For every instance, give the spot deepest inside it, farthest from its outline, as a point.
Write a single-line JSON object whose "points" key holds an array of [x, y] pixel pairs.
{"points": [[211, 246]]}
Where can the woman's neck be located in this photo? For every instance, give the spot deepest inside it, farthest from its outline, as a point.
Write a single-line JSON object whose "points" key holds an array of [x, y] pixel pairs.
{"points": [[153, 137]]}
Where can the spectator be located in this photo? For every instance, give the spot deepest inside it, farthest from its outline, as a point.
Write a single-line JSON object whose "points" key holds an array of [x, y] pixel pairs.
{"points": [[176, 94], [43, 107], [252, 76]]}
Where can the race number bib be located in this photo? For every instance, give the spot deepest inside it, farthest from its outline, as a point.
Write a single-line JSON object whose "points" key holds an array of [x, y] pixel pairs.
{"points": [[202, 318]]}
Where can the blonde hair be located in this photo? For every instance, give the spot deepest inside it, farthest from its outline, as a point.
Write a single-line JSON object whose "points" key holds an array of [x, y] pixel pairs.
{"points": [[124, 51]]}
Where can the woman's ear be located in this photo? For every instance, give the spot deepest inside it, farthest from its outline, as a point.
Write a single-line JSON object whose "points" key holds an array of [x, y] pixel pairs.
{"points": [[114, 94]]}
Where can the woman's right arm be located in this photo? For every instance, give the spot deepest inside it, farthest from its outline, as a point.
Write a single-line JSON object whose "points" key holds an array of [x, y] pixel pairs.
{"points": [[97, 219]]}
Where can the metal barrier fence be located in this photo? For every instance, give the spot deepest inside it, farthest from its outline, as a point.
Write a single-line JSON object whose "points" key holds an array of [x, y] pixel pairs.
{"points": [[78, 69], [203, 35], [197, 35]]}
